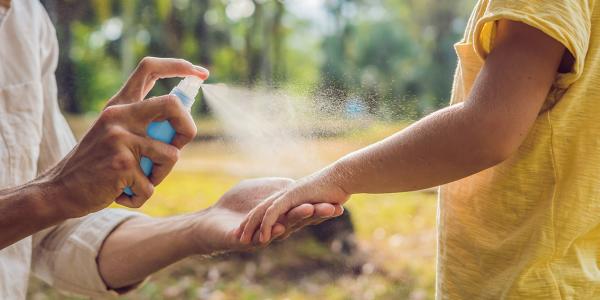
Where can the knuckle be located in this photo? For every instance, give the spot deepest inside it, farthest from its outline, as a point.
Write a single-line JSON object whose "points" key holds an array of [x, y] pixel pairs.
{"points": [[250, 220], [252, 223], [166, 104], [137, 203], [148, 191], [122, 162], [172, 154], [146, 62], [183, 62], [129, 204], [276, 205], [270, 212], [115, 133], [193, 130], [110, 113], [120, 97], [171, 104], [153, 76], [260, 209]]}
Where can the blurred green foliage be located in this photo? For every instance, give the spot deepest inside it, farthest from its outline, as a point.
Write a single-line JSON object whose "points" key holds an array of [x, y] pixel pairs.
{"points": [[393, 56]]}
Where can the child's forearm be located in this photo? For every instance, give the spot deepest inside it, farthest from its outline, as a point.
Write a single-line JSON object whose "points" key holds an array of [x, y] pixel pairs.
{"points": [[443, 147], [453, 143], [469, 137]]}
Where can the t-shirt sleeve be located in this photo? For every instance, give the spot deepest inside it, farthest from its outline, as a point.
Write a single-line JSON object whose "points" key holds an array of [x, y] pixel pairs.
{"points": [[567, 21]]}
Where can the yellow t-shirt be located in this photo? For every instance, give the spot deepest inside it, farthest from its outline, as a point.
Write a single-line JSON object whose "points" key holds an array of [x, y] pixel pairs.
{"points": [[529, 228]]}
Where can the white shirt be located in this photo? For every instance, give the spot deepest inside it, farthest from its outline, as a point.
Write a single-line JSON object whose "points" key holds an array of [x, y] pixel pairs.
{"points": [[2, 13], [34, 136]]}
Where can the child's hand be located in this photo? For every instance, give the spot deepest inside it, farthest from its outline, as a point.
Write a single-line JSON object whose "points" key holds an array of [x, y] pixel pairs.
{"points": [[313, 189]]}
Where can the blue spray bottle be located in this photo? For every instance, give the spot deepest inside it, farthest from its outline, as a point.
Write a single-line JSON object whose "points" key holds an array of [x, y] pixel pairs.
{"points": [[162, 131]]}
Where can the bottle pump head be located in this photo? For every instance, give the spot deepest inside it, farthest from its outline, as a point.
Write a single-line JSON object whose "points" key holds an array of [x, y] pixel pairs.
{"points": [[190, 87]]}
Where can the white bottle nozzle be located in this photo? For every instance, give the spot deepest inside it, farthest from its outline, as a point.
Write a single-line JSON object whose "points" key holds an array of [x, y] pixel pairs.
{"points": [[190, 86]]}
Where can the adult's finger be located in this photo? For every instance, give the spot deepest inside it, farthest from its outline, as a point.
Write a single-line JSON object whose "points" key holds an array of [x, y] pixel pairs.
{"points": [[324, 210], [141, 187], [151, 69], [339, 210], [306, 214], [298, 218], [278, 230], [295, 219], [299, 213], [182, 139], [164, 157], [166, 107], [316, 220]]}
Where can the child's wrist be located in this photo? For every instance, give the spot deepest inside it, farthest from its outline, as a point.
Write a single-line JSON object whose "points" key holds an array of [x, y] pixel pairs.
{"points": [[338, 175]]}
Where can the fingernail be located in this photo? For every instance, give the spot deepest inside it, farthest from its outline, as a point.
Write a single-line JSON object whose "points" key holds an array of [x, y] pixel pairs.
{"points": [[203, 70]]}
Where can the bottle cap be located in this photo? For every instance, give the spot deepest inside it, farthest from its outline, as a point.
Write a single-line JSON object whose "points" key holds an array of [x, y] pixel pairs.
{"points": [[190, 86]]}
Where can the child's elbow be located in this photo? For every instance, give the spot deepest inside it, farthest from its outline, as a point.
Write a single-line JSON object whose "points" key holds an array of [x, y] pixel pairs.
{"points": [[498, 156], [497, 151]]}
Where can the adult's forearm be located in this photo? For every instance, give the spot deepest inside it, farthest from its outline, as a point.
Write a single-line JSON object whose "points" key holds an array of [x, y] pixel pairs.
{"points": [[142, 246], [441, 148], [28, 209]]}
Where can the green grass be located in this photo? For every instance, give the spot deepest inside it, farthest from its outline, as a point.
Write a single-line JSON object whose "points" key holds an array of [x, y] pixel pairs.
{"points": [[394, 232]]}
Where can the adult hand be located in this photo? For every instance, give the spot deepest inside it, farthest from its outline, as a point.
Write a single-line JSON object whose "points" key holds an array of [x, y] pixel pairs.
{"points": [[106, 160], [317, 188], [215, 228], [164, 241]]}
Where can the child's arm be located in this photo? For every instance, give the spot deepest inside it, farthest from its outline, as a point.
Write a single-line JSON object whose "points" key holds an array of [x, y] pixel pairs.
{"points": [[448, 145]]}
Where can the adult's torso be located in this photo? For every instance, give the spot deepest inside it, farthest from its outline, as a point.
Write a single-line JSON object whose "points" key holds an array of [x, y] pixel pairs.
{"points": [[28, 52]]}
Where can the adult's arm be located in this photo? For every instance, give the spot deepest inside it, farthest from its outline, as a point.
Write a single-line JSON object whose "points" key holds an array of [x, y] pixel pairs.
{"points": [[93, 175], [64, 255], [141, 246], [27, 209], [448, 145]]}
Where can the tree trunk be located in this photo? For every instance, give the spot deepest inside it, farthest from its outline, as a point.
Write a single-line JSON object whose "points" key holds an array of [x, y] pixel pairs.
{"points": [[127, 39], [278, 63], [202, 34], [65, 72], [254, 56]]}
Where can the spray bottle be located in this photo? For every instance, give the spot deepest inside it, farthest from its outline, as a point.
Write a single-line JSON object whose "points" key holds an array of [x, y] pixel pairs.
{"points": [[162, 131]]}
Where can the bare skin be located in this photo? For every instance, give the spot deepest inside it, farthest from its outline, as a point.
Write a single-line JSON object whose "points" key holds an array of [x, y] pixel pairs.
{"points": [[142, 246], [448, 145], [94, 174]]}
